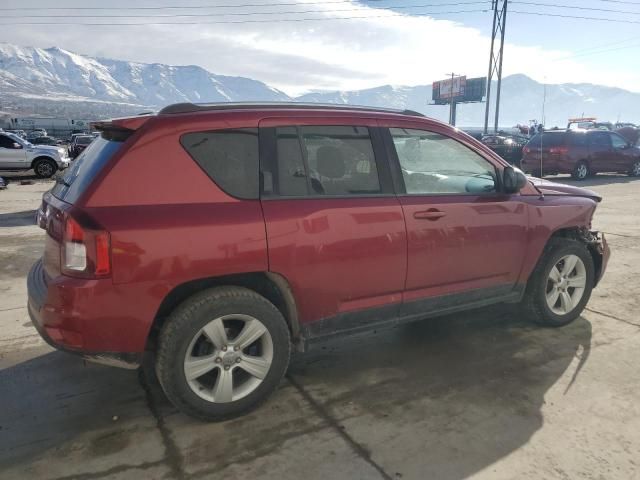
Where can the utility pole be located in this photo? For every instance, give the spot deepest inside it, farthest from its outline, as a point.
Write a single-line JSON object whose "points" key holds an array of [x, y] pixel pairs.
{"points": [[452, 102], [495, 59]]}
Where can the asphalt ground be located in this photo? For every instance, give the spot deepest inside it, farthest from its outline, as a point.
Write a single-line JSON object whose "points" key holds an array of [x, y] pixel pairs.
{"points": [[482, 394]]}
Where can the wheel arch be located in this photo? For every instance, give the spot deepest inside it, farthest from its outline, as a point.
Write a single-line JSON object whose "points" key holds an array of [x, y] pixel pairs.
{"points": [[43, 157], [273, 286], [583, 235]]}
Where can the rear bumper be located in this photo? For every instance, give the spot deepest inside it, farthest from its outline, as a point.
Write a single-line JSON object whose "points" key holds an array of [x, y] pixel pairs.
{"points": [[57, 325]]}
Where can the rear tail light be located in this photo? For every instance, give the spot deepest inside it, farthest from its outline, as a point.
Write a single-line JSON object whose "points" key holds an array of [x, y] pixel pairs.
{"points": [[526, 150], [559, 150], [86, 252]]}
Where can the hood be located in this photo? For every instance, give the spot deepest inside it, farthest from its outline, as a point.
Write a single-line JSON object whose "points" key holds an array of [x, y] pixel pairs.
{"points": [[50, 149], [553, 188]]}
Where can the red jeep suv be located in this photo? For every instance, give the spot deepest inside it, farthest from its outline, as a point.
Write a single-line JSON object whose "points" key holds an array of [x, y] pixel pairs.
{"points": [[581, 153], [218, 237]]}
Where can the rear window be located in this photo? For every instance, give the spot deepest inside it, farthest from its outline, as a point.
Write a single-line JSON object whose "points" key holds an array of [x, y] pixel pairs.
{"points": [[84, 169], [228, 157], [84, 140], [546, 140]]}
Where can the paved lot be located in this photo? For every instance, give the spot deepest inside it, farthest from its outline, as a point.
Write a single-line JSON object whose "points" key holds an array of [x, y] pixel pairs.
{"points": [[481, 395]]}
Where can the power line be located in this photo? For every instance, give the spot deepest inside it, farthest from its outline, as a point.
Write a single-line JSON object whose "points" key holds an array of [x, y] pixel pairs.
{"points": [[621, 1], [600, 19], [275, 20], [181, 7], [556, 5], [291, 12]]}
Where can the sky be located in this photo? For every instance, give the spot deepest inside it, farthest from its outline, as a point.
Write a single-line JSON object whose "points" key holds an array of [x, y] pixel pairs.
{"points": [[398, 42]]}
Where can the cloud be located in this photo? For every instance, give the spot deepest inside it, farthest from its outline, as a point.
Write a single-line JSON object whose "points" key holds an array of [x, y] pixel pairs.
{"points": [[325, 54]]}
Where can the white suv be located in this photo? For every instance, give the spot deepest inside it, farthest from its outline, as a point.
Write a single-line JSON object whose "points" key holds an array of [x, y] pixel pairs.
{"points": [[18, 154]]}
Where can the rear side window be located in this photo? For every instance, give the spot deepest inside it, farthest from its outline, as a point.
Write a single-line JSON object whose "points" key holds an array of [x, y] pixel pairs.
{"points": [[85, 168], [323, 160], [577, 139], [546, 140], [228, 157], [599, 139]]}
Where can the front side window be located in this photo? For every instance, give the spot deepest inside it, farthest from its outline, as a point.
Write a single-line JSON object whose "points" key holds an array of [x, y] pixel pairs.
{"points": [[324, 160], [7, 142], [618, 141], [228, 157], [434, 164]]}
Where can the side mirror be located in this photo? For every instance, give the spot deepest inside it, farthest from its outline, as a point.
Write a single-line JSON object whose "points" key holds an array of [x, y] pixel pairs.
{"points": [[513, 180], [17, 146]]}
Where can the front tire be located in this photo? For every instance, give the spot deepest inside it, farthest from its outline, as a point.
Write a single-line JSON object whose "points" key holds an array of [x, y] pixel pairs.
{"points": [[635, 169], [222, 352], [561, 284], [582, 171], [45, 168]]}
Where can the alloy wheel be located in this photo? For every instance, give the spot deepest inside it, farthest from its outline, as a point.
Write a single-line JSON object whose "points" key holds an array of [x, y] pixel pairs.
{"points": [[566, 284], [228, 358], [582, 171], [45, 169], [636, 169]]}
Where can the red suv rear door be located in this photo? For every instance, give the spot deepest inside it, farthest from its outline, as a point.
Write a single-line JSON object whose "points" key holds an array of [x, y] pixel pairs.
{"points": [[335, 229], [466, 239]]}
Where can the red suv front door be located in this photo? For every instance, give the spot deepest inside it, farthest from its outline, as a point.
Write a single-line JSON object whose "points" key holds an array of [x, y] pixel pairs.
{"points": [[466, 239], [335, 229]]}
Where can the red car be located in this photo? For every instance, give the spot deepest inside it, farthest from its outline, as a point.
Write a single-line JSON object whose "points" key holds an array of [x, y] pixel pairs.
{"points": [[78, 144], [220, 237], [581, 153]]}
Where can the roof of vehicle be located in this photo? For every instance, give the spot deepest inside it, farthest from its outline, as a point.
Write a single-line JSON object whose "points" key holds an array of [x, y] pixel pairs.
{"points": [[206, 107]]}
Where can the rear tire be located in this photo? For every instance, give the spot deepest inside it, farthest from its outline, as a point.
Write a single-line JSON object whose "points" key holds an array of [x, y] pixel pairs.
{"points": [[554, 298], [222, 352], [45, 168], [582, 171], [635, 169]]}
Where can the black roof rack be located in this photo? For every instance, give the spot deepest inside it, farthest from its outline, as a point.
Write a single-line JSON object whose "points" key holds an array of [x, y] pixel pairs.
{"points": [[206, 107]]}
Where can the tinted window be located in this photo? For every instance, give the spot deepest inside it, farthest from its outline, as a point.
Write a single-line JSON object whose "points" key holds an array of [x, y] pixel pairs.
{"points": [[432, 164], [577, 139], [291, 174], [229, 157], [546, 140], [84, 140], [6, 142], [324, 160], [599, 139], [84, 169]]}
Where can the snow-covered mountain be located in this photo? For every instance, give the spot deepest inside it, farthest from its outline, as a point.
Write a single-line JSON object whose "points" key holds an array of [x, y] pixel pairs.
{"points": [[36, 75], [54, 81], [521, 100]]}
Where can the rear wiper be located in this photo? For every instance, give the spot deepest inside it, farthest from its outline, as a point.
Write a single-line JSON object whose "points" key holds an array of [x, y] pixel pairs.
{"points": [[63, 181]]}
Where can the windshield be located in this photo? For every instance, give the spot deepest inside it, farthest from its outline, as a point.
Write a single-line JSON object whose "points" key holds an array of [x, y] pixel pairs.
{"points": [[85, 168]]}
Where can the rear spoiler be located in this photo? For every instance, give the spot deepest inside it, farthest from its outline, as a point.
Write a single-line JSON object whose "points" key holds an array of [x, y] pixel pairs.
{"points": [[119, 129]]}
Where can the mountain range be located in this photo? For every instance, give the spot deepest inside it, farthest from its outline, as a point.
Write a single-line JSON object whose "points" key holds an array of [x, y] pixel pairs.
{"points": [[54, 81]]}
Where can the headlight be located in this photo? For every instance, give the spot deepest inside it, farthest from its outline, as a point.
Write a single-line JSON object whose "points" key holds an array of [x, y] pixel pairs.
{"points": [[62, 151]]}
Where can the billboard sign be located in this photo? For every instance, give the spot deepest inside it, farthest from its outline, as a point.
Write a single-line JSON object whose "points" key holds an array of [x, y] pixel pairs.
{"points": [[452, 87], [464, 90]]}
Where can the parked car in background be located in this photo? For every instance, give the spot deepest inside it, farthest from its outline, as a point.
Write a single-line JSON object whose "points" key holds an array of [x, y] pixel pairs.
{"points": [[581, 153], [17, 153], [20, 133], [261, 228], [46, 141], [508, 146], [78, 144], [34, 134]]}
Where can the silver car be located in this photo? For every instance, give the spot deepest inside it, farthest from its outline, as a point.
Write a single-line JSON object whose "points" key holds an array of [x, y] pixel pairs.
{"points": [[18, 154]]}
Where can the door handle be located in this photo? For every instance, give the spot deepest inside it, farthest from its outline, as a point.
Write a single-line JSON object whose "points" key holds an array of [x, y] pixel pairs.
{"points": [[431, 214]]}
